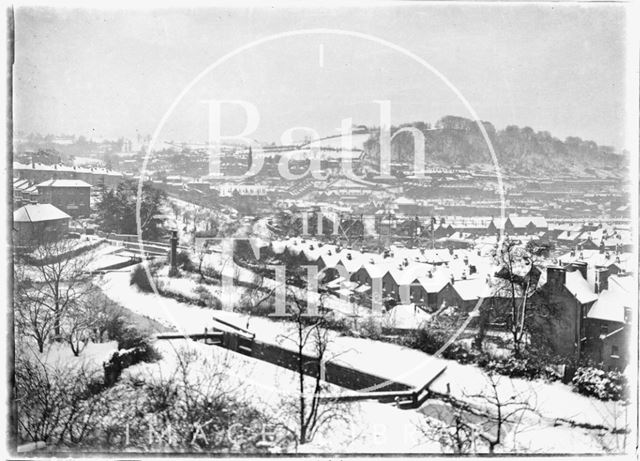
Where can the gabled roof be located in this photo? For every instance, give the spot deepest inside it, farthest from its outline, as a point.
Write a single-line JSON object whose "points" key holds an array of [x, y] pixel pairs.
{"points": [[596, 259], [25, 186], [40, 212], [518, 221], [408, 274], [623, 284], [311, 251], [521, 222], [611, 303], [375, 270], [20, 183], [330, 260], [406, 316], [433, 284], [539, 221], [278, 246], [472, 289], [351, 260], [295, 246], [569, 235], [63, 183], [579, 287]]}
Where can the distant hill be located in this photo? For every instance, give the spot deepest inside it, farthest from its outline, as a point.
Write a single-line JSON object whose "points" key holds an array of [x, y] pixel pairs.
{"points": [[457, 141]]}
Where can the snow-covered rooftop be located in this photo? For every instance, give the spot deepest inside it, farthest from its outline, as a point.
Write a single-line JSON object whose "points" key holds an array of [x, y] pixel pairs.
{"points": [[42, 167], [63, 183], [611, 303], [579, 287], [39, 213], [406, 316]]}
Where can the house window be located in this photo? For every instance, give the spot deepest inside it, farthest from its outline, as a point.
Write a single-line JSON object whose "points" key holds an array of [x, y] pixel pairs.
{"points": [[627, 315], [604, 329], [614, 352]]}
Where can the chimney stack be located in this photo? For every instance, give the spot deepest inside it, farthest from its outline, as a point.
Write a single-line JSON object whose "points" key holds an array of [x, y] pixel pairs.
{"points": [[580, 266], [602, 279], [556, 277]]}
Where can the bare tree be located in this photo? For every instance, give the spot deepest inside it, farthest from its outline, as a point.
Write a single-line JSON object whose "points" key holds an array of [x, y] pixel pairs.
{"points": [[451, 430], [33, 318], [190, 407], [517, 281], [201, 253], [48, 284], [110, 317], [477, 420], [79, 325], [57, 404], [312, 409], [260, 296]]}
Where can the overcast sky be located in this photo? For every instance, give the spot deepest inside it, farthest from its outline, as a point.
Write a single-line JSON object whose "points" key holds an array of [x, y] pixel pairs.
{"points": [[110, 73]]}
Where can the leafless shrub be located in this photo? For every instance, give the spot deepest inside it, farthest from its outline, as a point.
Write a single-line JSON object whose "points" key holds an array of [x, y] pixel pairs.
{"points": [[57, 405], [479, 421]]}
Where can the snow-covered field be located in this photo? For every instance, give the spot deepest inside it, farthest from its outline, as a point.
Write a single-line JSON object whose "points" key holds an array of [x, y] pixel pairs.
{"points": [[59, 355], [373, 427]]}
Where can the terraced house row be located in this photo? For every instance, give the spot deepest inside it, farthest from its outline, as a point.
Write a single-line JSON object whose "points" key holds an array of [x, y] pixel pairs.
{"points": [[590, 292]]}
